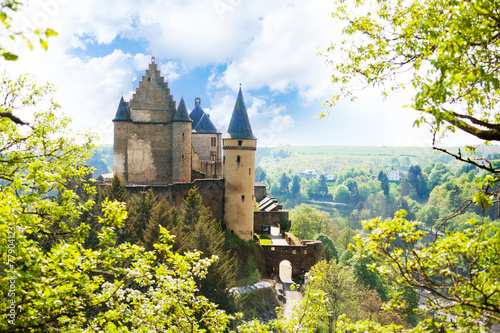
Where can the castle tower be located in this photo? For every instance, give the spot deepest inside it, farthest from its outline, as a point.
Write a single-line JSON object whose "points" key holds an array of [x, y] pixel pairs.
{"points": [[239, 145], [121, 123], [143, 132], [181, 143]]}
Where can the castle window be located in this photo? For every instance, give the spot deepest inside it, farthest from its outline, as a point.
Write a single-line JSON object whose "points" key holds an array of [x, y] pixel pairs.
{"points": [[232, 232], [149, 79], [238, 159], [305, 251], [294, 252], [182, 156], [242, 198], [212, 156], [182, 136], [240, 143], [249, 171], [213, 141]]}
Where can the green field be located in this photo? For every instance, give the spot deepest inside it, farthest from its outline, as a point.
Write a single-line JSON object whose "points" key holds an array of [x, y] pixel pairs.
{"points": [[332, 159]]}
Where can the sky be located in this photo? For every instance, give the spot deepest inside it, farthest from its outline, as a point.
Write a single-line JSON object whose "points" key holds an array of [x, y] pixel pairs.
{"points": [[206, 49]]}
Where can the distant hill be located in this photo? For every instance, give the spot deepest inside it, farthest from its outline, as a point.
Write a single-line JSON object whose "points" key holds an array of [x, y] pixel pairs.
{"points": [[331, 159], [325, 159]]}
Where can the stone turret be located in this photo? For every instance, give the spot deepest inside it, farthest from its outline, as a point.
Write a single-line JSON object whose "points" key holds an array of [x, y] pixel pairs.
{"points": [[181, 143], [239, 146]]}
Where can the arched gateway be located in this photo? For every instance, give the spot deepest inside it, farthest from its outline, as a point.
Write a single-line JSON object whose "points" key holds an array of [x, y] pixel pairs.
{"points": [[301, 257]]}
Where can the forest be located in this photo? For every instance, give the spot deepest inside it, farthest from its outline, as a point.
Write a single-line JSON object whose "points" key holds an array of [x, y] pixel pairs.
{"points": [[397, 225]]}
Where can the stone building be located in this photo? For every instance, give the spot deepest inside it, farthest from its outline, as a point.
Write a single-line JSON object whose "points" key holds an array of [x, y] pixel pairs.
{"points": [[156, 143], [163, 147]]}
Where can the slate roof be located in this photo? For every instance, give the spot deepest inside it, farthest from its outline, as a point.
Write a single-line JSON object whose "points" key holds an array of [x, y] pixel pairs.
{"points": [[123, 112], [201, 120], [239, 126], [182, 113]]}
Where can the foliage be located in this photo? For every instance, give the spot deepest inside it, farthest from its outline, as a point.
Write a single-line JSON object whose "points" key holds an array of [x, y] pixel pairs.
{"points": [[328, 252], [49, 280], [447, 50], [8, 9], [460, 269], [284, 183], [307, 221], [256, 302], [384, 182], [296, 186], [344, 296]]}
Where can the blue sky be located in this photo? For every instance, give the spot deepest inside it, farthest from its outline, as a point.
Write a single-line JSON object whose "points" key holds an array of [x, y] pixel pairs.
{"points": [[206, 48]]}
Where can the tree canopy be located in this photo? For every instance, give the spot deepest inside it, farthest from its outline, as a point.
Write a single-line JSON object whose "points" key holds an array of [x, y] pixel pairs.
{"points": [[446, 50], [448, 53]]}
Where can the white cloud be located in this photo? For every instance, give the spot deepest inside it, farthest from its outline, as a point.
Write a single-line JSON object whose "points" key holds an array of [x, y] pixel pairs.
{"points": [[259, 43], [88, 91], [283, 55]]}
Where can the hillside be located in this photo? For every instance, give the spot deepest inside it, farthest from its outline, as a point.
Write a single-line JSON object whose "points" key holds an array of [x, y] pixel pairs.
{"points": [[332, 159]]}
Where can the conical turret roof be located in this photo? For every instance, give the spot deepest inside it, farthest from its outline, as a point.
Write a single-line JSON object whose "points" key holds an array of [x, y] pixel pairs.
{"points": [[182, 113], [201, 120], [239, 126], [123, 112]]}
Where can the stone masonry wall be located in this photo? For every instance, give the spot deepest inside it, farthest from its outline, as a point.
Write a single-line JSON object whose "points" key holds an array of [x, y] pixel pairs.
{"points": [[149, 154], [302, 257], [268, 218]]}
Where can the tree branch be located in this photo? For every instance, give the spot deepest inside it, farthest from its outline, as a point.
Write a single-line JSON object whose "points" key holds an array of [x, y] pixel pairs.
{"points": [[13, 118]]}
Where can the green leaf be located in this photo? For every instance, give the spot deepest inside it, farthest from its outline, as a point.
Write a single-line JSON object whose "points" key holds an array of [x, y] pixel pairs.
{"points": [[9, 56], [44, 44], [50, 33]]}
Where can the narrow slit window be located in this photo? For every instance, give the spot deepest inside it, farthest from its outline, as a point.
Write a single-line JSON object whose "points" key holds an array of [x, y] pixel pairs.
{"points": [[242, 198], [240, 143], [238, 159], [249, 171]]}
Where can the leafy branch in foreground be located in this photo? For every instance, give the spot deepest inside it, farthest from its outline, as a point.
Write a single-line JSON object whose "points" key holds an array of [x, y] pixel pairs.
{"points": [[49, 281], [459, 271], [446, 50], [8, 9]]}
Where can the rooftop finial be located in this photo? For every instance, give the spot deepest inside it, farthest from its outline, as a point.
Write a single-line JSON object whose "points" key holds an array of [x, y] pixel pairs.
{"points": [[152, 60], [197, 101]]}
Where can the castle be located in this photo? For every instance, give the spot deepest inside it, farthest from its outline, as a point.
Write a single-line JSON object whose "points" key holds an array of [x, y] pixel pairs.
{"points": [[167, 149]]}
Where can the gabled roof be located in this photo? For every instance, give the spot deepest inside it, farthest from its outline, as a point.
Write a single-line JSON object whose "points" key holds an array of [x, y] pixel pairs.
{"points": [[239, 126], [123, 112], [201, 120], [182, 113]]}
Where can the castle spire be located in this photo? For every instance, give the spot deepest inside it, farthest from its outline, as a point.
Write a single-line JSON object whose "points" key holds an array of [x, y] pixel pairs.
{"points": [[182, 112], [239, 126], [123, 112]]}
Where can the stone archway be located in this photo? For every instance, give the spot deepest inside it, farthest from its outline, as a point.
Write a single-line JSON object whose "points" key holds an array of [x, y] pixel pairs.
{"points": [[285, 271]]}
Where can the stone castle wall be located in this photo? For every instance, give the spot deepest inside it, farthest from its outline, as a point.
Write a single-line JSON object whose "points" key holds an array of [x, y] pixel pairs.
{"points": [[268, 218], [302, 257], [143, 153], [211, 191]]}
